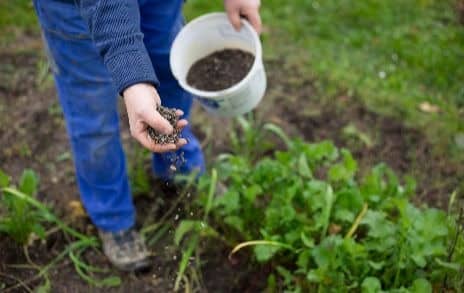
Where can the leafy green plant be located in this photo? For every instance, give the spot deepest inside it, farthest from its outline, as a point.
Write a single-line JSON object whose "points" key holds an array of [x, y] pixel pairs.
{"points": [[248, 137], [20, 219], [305, 211]]}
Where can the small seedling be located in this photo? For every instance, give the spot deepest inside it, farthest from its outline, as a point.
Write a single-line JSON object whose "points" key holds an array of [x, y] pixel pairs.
{"points": [[21, 221]]}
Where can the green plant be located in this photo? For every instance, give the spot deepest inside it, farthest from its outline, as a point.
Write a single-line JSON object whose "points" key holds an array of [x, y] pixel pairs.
{"points": [[199, 228], [305, 211], [247, 137], [26, 215], [139, 177], [21, 220]]}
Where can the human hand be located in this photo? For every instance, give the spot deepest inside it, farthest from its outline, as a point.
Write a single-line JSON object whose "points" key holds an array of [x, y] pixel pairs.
{"points": [[141, 104], [246, 8]]}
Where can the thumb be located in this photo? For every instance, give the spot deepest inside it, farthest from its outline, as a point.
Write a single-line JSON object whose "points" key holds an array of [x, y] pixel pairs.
{"points": [[158, 123]]}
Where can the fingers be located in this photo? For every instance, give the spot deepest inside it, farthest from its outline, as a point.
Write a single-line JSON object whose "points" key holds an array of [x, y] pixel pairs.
{"points": [[181, 124], [254, 18], [145, 140], [181, 143], [249, 9], [233, 13]]}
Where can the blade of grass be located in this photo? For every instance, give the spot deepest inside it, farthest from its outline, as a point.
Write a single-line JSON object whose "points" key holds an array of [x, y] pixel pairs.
{"points": [[185, 260], [211, 192], [357, 221]]}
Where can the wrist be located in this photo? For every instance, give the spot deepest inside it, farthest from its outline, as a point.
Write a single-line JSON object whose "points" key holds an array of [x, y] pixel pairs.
{"points": [[137, 88], [140, 91]]}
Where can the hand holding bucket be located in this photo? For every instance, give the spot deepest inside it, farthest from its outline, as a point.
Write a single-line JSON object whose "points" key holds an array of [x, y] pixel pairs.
{"points": [[210, 33]]}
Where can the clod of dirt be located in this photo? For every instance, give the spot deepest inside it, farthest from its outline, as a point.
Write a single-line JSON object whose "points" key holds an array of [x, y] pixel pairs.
{"points": [[220, 70], [170, 115]]}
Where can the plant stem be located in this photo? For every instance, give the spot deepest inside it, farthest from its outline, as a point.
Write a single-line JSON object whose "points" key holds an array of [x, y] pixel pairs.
{"points": [[357, 221], [259, 242]]}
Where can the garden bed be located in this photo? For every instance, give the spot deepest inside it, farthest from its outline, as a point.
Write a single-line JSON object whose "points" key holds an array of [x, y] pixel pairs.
{"points": [[290, 103]]}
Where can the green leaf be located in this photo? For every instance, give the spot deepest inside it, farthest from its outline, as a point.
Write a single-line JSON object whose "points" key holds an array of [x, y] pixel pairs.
{"points": [[419, 260], [235, 222], [211, 193], [303, 259], [322, 256], [376, 265], [345, 170], [39, 230], [329, 198], [421, 286], [230, 201], [309, 242], [186, 254], [4, 179], [251, 192], [303, 167], [44, 288], [185, 227], [279, 132], [448, 265], [286, 274], [112, 281], [28, 182], [264, 253], [319, 151], [352, 131], [371, 285]]}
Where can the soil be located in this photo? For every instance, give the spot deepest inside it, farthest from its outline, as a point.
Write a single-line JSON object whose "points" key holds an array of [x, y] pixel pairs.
{"points": [[30, 113], [220, 70], [159, 138], [460, 10]]}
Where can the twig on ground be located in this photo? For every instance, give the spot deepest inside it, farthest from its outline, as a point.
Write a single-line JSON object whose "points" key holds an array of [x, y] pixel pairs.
{"points": [[20, 283]]}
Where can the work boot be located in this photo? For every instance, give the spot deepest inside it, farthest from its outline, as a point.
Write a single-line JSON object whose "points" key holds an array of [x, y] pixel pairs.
{"points": [[126, 250]]}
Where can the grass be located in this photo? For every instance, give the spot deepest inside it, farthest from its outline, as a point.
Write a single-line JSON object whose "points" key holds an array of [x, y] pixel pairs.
{"points": [[394, 54], [16, 17]]}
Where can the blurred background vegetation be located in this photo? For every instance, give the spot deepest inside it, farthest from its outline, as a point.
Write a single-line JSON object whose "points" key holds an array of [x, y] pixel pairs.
{"points": [[402, 58]]}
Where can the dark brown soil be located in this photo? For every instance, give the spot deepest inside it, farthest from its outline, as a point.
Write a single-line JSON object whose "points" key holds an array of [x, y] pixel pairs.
{"points": [[159, 138], [460, 10], [220, 70], [299, 109]]}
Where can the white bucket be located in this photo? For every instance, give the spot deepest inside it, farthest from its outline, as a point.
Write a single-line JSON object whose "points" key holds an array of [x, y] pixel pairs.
{"points": [[205, 35]]}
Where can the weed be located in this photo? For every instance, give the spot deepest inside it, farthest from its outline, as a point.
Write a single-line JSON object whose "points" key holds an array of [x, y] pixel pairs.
{"points": [[21, 220], [25, 215], [247, 137]]}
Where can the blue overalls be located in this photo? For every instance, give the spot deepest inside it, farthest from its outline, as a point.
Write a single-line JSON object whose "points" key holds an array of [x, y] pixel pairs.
{"points": [[89, 102]]}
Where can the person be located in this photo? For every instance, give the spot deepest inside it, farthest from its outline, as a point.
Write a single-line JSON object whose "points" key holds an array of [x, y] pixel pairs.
{"points": [[100, 49]]}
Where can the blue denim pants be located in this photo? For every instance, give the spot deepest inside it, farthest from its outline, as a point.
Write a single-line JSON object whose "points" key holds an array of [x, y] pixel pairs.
{"points": [[89, 102]]}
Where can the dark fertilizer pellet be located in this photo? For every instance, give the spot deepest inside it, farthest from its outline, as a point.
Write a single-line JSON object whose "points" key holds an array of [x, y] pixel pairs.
{"points": [[220, 70], [159, 138]]}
